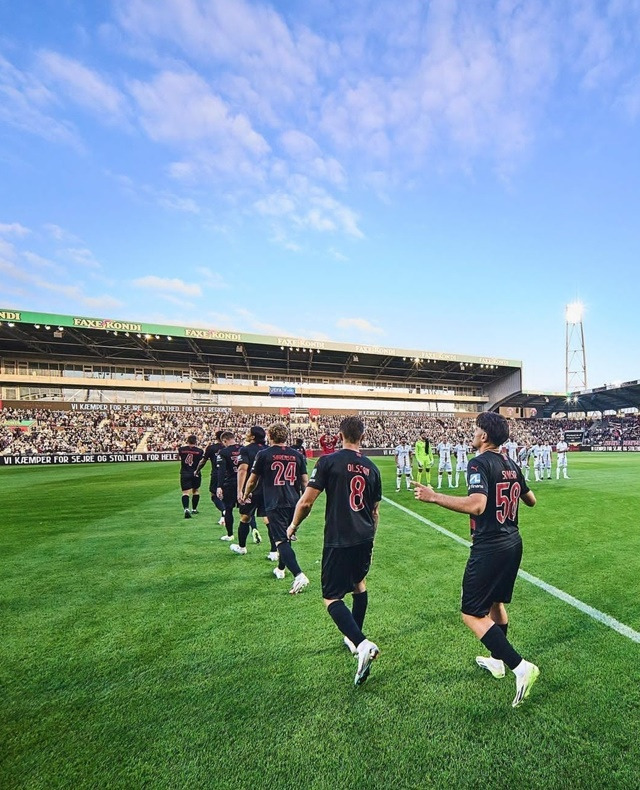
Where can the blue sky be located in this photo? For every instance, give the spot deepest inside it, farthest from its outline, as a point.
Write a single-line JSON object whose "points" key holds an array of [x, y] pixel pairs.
{"points": [[442, 175]]}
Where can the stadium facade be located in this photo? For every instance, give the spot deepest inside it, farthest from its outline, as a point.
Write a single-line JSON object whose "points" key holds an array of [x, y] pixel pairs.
{"points": [[78, 359]]}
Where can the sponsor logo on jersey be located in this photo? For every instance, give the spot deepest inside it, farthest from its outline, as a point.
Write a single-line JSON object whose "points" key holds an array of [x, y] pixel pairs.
{"points": [[474, 480]]}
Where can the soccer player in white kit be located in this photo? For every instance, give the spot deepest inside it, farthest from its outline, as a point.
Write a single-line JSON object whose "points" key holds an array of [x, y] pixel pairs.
{"points": [[536, 452], [523, 460], [561, 449], [403, 453], [461, 450], [546, 460], [444, 451], [512, 449]]}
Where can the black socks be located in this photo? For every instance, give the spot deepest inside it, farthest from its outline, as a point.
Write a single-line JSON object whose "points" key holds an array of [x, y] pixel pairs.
{"points": [[498, 645]]}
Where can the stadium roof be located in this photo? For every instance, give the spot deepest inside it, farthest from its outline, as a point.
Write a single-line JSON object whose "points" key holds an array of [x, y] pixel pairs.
{"points": [[607, 398], [110, 341]]}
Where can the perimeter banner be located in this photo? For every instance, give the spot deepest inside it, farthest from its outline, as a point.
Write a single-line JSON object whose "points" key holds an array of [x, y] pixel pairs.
{"points": [[114, 458], [86, 458]]}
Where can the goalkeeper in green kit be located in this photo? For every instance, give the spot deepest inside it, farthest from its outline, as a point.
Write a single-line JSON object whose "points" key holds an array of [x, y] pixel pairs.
{"points": [[424, 457]]}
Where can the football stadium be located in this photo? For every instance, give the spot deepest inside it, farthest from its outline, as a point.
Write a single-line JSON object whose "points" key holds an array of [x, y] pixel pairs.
{"points": [[140, 651]]}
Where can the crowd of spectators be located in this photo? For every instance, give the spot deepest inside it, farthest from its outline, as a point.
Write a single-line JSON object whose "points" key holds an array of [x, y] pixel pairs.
{"points": [[42, 431]]}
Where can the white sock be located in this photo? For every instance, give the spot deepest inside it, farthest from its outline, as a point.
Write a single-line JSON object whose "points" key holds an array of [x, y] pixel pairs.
{"points": [[521, 669]]}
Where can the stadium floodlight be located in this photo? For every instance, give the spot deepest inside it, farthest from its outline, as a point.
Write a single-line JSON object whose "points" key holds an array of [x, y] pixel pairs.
{"points": [[47, 326], [574, 312], [169, 337], [37, 326]]}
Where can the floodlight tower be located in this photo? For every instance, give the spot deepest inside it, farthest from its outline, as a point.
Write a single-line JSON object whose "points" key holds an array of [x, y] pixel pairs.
{"points": [[575, 355]]}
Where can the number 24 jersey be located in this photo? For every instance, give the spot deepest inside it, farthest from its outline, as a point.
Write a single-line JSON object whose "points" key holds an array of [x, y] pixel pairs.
{"points": [[353, 487]]}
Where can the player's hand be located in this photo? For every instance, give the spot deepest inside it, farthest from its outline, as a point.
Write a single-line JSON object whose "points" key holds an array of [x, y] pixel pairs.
{"points": [[291, 532], [423, 493], [241, 500], [219, 493]]}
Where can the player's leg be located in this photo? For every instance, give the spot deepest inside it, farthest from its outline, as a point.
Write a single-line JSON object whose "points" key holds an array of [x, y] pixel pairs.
{"points": [[449, 475], [195, 499], [440, 471], [398, 477], [488, 584], [218, 503], [279, 520], [407, 476], [273, 555], [185, 502], [243, 529], [420, 470], [558, 470], [229, 502], [564, 469]]}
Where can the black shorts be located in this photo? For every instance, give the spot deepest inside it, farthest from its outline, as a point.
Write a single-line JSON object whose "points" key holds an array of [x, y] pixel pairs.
{"points": [[189, 481], [344, 568], [489, 578], [279, 520], [256, 505], [213, 485], [229, 496]]}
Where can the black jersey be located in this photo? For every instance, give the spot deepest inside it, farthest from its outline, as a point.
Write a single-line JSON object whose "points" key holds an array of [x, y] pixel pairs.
{"points": [[501, 480], [210, 454], [280, 469], [227, 465], [353, 486], [299, 448], [248, 456], [190, 457]]}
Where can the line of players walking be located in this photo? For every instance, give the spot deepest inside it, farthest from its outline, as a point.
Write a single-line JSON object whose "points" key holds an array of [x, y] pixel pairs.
{"points": [[271, 481], [405, 453]]}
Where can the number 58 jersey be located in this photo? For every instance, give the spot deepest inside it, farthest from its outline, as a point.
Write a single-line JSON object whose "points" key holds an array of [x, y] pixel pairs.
{"points": [[353, 487], [501, 480]]}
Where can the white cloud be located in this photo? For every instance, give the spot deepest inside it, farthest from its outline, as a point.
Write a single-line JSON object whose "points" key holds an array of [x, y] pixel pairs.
{"points": [[180, 106], [361, 324], [60, 234], [82, 85], [82, 256], [171, 285], [37, 260], [211, 279], [73, 292], [14, 229], [7, 250], [27, 104]]}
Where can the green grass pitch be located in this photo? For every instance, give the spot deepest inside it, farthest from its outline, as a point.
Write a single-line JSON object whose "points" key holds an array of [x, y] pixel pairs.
{"points": [[138, 652]]}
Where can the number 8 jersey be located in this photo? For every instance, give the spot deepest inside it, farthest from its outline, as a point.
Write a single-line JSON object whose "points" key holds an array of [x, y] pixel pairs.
{"points": [[503, 483], [353, 487]]}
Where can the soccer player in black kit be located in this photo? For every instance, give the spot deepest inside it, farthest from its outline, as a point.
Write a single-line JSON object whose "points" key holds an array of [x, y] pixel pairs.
{"points": [[283, 474], [354, 490], [190, 457], [252, 505], [227, 465], [496, 486], [211, 454]]}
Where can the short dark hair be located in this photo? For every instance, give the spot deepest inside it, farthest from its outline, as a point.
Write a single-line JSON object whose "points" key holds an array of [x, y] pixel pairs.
{"points": [[278, 433], [258, 433], [192, 439], [495, 426], [226, 435], [218, 435], [352, 428]]}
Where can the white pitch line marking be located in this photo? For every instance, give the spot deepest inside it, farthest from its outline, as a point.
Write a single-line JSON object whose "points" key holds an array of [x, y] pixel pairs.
{"points": [[596, 614]]}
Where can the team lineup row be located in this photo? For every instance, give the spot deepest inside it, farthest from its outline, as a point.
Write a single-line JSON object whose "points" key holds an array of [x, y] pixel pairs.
{"points": [[405, 453], [271, 481]]}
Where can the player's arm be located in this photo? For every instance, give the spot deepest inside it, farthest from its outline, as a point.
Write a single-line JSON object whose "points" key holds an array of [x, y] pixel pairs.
{"points": [[303, 508], [220, 480], [472, 505], [304, 479], [243, 468], [252, 482], [529, 499], [376, 516]]}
